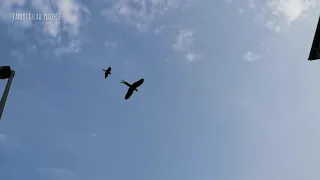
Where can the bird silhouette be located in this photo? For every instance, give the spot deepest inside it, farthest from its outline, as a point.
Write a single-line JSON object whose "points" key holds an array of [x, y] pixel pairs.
{"points": [[107, 72], [132, 87]]}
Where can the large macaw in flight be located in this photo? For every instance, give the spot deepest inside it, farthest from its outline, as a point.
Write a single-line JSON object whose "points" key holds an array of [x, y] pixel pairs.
{"points": [[132, 87]]}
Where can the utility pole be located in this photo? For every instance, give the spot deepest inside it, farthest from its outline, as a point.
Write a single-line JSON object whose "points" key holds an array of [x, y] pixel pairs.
{"points": [[5, 73]]}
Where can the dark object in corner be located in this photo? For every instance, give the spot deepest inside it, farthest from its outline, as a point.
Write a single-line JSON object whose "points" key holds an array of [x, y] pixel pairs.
{"points": [[315, 48], [5, 72]]}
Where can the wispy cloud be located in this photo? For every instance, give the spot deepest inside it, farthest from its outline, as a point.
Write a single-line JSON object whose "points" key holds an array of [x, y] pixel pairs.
{"points": [[160, 29], [184, 42], [191, 57], [272, 25], [72, 47], [70, 18], [276, 14], [252, 4], [110, 44], [265, 19], [290, 9], [249, 56], [7, 9], [140, 13]]}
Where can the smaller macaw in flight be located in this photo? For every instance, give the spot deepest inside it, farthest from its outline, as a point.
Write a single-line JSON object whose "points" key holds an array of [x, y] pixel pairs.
{"points": [[107, 72]]}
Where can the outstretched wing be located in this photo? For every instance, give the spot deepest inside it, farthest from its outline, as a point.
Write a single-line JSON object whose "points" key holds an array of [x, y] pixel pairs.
{"points": [[126, 83], [138, 83], [109, 69], [129, 93]]}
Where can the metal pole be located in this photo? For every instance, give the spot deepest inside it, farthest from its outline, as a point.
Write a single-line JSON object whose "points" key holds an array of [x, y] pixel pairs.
{"points": [[6, 92]]}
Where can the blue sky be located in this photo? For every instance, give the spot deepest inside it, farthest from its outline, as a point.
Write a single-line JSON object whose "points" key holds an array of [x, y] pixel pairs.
{"points": [[228, 93]]}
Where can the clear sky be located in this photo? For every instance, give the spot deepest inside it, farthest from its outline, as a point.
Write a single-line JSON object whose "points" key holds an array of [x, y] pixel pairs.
{"points": [[228, 92]]}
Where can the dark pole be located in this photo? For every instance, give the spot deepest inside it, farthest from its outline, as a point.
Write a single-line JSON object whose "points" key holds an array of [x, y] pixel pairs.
{"points": [[6, 92]]}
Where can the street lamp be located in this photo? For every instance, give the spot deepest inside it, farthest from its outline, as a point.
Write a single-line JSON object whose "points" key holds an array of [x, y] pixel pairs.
{"points": [[5, 73]]}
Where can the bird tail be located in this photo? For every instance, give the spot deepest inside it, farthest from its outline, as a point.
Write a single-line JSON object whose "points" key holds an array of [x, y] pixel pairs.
{"points": [[125, 82]]}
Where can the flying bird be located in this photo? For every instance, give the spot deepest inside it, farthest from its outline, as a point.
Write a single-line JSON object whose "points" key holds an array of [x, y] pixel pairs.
{"points": [[107, 72], [132, 87]]}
